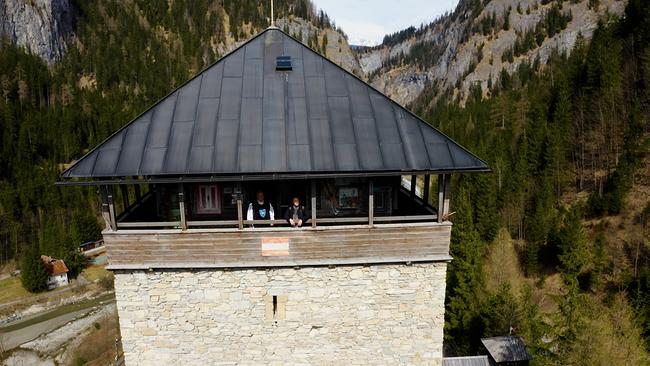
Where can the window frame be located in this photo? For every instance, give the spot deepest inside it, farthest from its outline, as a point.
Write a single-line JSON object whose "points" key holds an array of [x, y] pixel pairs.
{"points": [[215, 195]]}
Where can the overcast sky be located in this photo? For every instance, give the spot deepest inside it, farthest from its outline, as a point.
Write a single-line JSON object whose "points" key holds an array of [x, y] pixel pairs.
{"points": [[367, 21]]}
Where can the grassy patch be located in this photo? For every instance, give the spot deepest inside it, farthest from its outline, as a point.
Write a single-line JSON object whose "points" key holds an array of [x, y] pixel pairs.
{"points": [[94, 273], [11, 289], [98, 346]]}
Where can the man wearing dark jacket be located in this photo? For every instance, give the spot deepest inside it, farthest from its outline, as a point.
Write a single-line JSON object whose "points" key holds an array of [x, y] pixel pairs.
{"points": [[260, 209], [296, 214]]}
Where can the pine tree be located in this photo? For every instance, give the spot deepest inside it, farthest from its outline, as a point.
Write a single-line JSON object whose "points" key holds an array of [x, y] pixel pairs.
{"points": [[574, 255], [84, 228], [462, 322], [33, 272]]}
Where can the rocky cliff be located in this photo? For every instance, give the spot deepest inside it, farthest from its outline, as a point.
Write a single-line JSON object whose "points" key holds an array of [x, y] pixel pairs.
{"points": [[41, 26], [477, 41], [44, 28]]}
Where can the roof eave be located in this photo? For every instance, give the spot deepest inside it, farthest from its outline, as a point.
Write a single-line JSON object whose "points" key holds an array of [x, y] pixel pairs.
{"points": [[235, 177]]}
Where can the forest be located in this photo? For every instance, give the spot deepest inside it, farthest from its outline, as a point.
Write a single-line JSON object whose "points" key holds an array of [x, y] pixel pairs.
{"points": [[536, 243], [51, 115], [568, 143]]}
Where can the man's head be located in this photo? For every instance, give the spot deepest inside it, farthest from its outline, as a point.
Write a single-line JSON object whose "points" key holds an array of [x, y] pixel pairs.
{"points": [[260, 196], [295, 201]]}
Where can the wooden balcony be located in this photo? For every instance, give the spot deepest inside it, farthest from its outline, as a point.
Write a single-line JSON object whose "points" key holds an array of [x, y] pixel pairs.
{"points": [[278, 246]]}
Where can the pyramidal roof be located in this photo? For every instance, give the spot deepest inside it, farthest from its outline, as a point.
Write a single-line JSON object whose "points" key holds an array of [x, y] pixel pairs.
{"points": [[241, 116]]}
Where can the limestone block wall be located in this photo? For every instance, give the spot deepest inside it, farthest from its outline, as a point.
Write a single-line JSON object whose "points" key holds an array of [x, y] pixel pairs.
{"points": [[353, 315]]}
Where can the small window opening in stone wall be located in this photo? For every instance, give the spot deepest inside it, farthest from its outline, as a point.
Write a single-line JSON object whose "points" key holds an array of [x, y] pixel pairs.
{"points": [[275, 307]]}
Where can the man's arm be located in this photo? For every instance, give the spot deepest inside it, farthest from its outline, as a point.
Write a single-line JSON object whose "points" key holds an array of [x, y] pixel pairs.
{"points": [[303, 214], [249, 213]]}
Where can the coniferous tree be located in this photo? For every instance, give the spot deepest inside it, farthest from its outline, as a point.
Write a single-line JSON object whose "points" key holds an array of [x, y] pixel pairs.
{"points": [[462, 322], [33, 273]]}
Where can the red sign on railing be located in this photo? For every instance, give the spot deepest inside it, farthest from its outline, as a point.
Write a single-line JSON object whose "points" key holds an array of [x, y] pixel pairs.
{"points": [[275, 246]]}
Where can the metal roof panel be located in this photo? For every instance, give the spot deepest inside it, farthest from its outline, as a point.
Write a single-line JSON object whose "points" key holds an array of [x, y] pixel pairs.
{"points": [[241, 116]]}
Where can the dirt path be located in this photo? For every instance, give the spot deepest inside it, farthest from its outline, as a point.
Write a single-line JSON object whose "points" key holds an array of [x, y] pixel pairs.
{"points": [[15, 338], [14, 334]]}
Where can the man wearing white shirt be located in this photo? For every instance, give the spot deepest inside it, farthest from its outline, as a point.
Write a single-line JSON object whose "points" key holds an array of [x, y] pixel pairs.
{"points": [[260, 209]]}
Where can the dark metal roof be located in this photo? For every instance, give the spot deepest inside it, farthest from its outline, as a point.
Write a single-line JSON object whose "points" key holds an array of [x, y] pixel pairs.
{"points": [[506, 349], [466, 361], [241, 116]]}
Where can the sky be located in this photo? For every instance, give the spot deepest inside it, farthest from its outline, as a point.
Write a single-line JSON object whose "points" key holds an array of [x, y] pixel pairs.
{"points": [[367, 21]]}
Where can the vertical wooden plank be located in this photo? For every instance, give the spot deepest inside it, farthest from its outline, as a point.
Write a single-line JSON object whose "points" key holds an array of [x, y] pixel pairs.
{"points": [[447, 202], [111, 209], [106, 213], [371, 202], [138, 194], [181, 206], [240, 215], [425, 196], [313, 203], [441, 196], [124, 191], [414, 182]]}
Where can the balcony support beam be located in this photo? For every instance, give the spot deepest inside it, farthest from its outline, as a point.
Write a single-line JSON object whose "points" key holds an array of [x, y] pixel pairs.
{"points": [[313, 203], [138, 193], [108, 207], [425, 195], [414, 182], [447, 203], [371, 202], [240, 214], [124, 192], [444, 196], [181, 206]]}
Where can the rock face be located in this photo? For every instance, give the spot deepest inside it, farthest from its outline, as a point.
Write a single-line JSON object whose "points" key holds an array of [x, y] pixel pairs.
{"points": [[352, 315], [41, 26], [458, 65], [337, 50]]}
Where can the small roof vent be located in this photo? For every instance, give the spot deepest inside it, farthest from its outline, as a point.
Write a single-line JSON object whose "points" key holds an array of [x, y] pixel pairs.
{"points": [[283, 63]]}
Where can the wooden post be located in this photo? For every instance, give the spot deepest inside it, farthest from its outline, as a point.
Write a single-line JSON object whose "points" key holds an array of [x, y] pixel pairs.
{"points": [[181, 206], [313, 203], [106, 212], [138, 194], [441, 196], [425, 196], [414, 182], [124, 190], [447, 202], [111, 209], [240, 216], [371, 202]]}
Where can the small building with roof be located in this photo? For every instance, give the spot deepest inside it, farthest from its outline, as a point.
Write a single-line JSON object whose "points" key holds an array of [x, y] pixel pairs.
{"points": [[466, 361], [200, 281], [57, 272], [506, 351]]}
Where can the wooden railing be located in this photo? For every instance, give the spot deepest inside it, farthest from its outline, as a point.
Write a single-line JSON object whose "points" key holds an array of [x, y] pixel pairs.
{"points": [[122, 221], [250, 224]]}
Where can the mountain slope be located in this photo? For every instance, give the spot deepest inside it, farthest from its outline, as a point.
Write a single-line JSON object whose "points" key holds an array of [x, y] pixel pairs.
{"points": [[120, 57], [42, 27], [553, 245], [473, 44]]}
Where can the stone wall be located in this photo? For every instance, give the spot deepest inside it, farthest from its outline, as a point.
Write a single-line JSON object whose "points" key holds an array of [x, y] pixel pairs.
{"points": [[353, 315]]}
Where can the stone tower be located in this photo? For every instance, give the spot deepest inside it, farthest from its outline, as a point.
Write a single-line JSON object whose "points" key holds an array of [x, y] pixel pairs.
{"points": [[194, 194]]}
